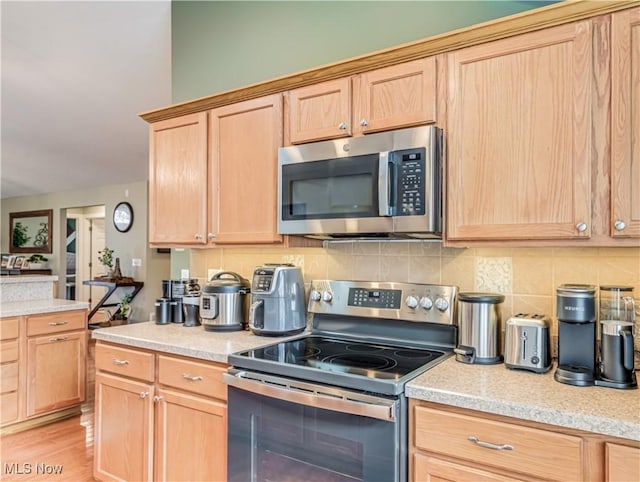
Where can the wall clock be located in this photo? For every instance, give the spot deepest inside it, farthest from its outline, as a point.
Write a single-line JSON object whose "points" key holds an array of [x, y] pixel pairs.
{"points": [[123, 217]]}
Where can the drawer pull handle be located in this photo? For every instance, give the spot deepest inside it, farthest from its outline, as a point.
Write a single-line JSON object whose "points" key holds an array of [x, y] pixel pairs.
{"points": [[120, 362], [196, 378], [489, 445], [59, 338], [58, 323]]}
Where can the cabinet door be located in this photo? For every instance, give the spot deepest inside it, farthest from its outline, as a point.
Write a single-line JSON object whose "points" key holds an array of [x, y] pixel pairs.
{"points": [[519, 137], [178, 180], [123, 438], [56, 371], [191, 438], [245, 138], [622, 463], [320, 111], [625, 123], [432, 469], [398, 96]]}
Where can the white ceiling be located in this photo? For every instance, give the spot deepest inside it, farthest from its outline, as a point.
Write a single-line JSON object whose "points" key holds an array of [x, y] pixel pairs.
{"points": [[75, 76]]}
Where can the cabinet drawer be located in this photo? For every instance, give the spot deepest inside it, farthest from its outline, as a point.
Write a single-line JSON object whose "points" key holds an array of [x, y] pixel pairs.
{"points": [[9, 351], [56, 322], [449, 434], [125, 361], [430, 468], [9, 328], [8, 407], [9, 380], [194, 376]]}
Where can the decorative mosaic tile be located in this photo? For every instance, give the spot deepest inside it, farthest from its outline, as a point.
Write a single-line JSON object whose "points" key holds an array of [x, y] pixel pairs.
{"points": [[494, 275]]}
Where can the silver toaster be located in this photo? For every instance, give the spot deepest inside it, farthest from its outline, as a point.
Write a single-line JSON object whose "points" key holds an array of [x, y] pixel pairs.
{"points": [[527, 344]]}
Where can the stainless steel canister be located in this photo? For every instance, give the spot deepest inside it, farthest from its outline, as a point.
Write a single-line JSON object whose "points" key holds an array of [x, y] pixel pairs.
{"points": [[479, 324]]}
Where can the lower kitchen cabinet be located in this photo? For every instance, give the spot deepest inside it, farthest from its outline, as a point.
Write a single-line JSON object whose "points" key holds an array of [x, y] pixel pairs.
{"points": [[454, 444], [43, 367], [158, 417]]}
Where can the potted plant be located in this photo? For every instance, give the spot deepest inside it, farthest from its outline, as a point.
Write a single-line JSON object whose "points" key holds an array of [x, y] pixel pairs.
{"points": [[106, 260], [37, 261], [121, 315]]}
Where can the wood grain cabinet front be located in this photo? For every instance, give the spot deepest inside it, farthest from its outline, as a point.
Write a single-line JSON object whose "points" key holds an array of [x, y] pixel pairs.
{"points": [[175, 416], [9, 369], [625, 123], [392, 97], [622, 463]]}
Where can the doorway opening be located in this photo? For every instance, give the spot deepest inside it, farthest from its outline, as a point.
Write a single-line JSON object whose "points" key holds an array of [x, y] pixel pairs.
{"points": [[85, 238]]}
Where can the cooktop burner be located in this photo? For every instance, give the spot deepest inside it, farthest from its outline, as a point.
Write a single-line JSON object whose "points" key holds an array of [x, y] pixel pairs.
{"points": [[346, 356]]}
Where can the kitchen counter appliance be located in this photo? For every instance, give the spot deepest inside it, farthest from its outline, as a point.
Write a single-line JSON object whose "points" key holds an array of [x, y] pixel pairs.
{"points": [[387, 184], [479, 325], [527, 344], [330, 404], [277, 300], [223, 302]]}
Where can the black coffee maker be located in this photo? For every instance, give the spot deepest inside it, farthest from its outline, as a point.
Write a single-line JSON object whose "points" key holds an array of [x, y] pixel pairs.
{"points": [[576, 334], [617, 316]]}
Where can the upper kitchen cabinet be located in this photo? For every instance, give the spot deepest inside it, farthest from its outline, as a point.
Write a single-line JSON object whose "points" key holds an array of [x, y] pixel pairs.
{"points": [[178, 180], [392, 97], [245, 138], [625, 123], [518, 133]]}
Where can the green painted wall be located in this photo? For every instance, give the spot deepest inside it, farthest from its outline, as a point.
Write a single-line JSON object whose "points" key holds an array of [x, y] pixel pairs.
{"points": [[222, 45]]}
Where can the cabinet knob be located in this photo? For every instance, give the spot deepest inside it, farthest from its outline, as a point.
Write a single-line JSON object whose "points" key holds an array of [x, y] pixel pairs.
{"points": [[342, 126], [619, 225], [198, 236], [144, 394], [581, 227], [157, 398], [364, 123], [211, 236]]}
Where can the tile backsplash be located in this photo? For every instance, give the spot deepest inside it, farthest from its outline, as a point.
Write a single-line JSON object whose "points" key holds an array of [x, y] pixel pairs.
{"points": [[528, 277]]}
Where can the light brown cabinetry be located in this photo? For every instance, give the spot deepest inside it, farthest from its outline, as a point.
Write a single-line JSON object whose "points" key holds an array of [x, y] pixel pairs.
{"points": [[245, 138], [213, 176], [392, 97], [9, 369], [178, 180], [156, 415], [622, 463], [43, 364], [625, 123], [518, 132], [455, 444]]}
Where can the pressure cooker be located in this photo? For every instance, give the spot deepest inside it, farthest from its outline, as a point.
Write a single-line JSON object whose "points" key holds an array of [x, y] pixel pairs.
{"points": [[223, 302]]}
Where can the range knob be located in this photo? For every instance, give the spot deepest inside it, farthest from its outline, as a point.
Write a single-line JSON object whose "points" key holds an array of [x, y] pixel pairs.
{"points": [[411, 302], [426, 303], [442, 304], [315, 295], [327, 296]]}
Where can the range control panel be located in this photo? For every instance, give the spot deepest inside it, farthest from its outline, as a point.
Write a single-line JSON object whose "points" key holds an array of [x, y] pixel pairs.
{"points": [[403, 301]]}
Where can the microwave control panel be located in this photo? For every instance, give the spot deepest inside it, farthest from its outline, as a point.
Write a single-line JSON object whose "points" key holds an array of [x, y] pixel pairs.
{"points": [[411, 182]]}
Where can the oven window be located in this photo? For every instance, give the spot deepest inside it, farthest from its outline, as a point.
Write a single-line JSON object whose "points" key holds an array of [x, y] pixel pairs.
{"points": [[276, 440], [334, 188]]}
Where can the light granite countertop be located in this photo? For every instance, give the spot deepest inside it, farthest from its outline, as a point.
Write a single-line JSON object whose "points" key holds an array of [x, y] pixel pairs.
{"points": [[27, 278], [181, 340], [530, 396], [489, 388], [32, 307]]}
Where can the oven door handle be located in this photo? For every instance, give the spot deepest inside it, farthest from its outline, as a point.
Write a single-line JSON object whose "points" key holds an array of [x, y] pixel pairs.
{"points": [[318, 396]]}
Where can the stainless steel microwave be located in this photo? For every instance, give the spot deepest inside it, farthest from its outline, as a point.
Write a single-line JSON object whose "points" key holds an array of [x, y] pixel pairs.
{"points": [[381, 185]]}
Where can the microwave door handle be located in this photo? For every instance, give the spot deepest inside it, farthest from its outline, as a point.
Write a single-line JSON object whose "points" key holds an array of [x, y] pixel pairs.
{"points": [[385, 183]]}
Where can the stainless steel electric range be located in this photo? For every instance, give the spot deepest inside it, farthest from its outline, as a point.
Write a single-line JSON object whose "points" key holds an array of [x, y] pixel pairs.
{"points": [[329, 405]]}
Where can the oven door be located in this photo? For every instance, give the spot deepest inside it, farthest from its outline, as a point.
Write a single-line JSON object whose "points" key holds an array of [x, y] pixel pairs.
{"points": [[281, 429]]}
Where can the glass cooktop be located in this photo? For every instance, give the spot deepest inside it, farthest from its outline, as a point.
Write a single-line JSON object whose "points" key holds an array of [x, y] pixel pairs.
{"points": [[347, 357]]}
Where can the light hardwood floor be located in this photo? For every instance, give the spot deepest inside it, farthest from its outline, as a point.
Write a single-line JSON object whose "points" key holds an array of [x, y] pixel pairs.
{"points": [[61, 451]]}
